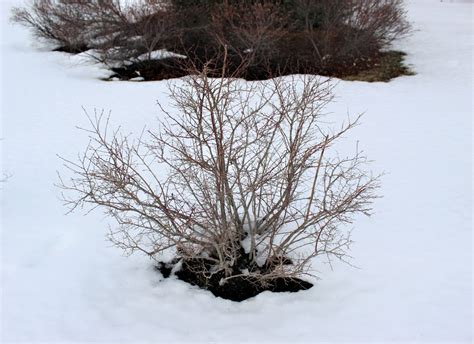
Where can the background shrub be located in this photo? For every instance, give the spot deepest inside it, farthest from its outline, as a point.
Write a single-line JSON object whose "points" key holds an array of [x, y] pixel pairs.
{"points": [[273, 37]]}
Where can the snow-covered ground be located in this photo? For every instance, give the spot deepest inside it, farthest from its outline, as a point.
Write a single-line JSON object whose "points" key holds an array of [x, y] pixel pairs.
{"points": [[62, 282]]}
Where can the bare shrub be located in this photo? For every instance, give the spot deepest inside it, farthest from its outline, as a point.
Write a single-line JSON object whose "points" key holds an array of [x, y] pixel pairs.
{"points": [[249, 31], [341, 32], [240, 173], [115, 33], [141, 28], [59, 21]]}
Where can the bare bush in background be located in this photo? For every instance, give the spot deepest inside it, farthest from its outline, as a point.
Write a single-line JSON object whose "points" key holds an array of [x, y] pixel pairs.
{"points": [[114, 33], [248, 31], [341, 33], [239, 173], [58, 21], [330, 37]]}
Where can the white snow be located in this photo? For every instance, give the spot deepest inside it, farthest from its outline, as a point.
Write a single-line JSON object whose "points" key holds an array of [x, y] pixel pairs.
{"points": [[62, 282], [159, 54]]}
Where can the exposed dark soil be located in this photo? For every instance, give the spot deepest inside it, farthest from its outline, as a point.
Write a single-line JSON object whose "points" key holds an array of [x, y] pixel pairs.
{"points": [[384, 67], [72, 49], [161, 69], [197, 272]]}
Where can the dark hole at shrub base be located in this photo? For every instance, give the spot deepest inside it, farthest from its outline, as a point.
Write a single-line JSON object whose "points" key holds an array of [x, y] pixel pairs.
{"points": [[237, 288], [72, 49], [167, 68]]}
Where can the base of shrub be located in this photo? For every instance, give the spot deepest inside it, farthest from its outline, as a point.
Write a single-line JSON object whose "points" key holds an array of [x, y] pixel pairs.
{"points": [[237, 288], [382, 68]]}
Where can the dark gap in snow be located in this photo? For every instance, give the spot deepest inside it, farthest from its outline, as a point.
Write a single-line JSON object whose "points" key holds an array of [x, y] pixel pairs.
{"points": [[159, 69], [72, 49], [199, 272]]}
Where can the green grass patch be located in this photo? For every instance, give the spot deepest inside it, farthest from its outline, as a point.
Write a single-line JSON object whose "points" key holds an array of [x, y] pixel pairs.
{"points": [[389, 65]]}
